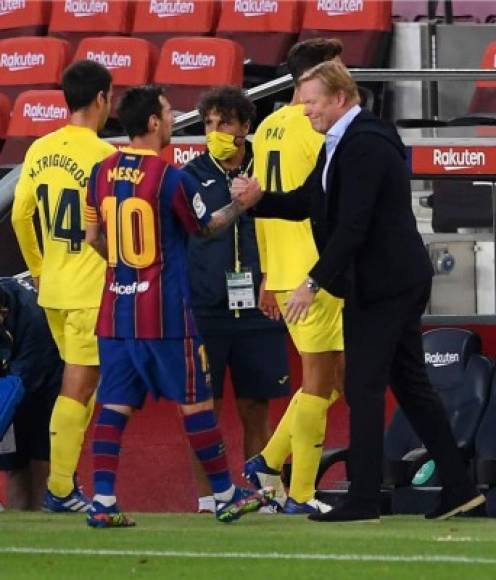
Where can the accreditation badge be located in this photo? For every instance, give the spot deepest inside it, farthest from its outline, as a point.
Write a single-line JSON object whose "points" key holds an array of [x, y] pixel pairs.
{"points": [[240, 290]]}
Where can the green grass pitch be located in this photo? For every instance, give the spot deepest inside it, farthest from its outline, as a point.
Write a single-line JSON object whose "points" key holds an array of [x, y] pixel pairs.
{"points": [[258, 547]]}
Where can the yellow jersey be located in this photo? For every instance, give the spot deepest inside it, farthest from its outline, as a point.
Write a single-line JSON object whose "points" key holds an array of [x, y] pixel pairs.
{"points": [[53, 180], [285, 149]]}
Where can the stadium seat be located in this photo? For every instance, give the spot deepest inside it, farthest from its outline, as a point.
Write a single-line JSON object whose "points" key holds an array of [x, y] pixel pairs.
{"points": [[364, 27], [191, 65], [35, 113], [24, 18], [266, 30], [462, 377], [26, 63], [484, 97], [158, 20], [130, 60], [485, 451], [76, 19]]}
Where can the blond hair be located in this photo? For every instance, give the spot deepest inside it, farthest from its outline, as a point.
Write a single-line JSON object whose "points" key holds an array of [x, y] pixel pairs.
{"points": [[335, 77]]}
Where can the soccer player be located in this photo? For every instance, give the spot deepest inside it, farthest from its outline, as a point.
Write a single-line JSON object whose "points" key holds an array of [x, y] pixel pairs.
{"points": [[69, 273], [236, 334], [139, 213], [285, 151]]}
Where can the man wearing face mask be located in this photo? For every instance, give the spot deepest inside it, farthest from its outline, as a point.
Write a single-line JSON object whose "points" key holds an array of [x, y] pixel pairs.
{"points": [[225, 278]]}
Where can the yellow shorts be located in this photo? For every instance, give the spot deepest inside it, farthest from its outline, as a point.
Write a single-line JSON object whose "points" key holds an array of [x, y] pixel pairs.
{"points": [[322, 330], [74, 335]]}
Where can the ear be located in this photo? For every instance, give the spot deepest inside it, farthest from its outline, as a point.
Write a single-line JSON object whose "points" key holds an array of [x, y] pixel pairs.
{"points": [[341, 98], [245, 128], [153, 123]]}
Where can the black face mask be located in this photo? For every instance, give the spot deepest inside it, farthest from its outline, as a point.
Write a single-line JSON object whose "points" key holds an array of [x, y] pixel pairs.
{"points": [[6, 347]]}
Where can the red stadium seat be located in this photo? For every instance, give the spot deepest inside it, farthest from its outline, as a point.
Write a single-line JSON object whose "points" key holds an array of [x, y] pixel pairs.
{"points": [[76, 19], [484, 98], [35, 114], [190, 65], [364, 26], [266, 30], [159, 20], [27, 63], [130, 60], [24, 18]]}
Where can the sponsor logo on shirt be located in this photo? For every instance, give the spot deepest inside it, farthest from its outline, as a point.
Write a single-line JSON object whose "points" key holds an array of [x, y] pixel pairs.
{"points": [[199, 206], [39, 113], [452, 160], [9, 6], [111, 61], [440, 359], [17, 61], [190, 61], [128, 289], [170, 9], [256, 7], [340, 7], [82, 8]]}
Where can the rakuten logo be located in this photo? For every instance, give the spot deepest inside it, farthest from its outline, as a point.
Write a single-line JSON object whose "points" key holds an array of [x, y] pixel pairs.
{"points": [[340, 7], [188, 61], [110, 61], [170, 9], [127, 289], [39, 113], [10, 6], [255, 7], [182, 156], [16, 62], [82, 8], [452, 160], [438, 359]]}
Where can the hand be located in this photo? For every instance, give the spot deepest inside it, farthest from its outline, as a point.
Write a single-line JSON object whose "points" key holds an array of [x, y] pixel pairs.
{"points": [[299, 303], [36, 282], [267, 302], [246, 191]]}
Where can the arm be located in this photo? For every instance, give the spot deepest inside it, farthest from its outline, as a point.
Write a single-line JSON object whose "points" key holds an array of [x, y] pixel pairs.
{"points": [[96, 238], [222, 218], [22, 221], [361, 174]]}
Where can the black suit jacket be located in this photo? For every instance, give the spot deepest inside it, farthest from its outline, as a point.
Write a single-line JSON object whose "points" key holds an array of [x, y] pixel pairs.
{"points": [[362, 222]]}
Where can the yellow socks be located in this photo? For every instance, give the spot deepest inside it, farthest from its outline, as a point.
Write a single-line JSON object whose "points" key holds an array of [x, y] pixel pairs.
{"points": [[67, 427], [278, 448], [307, 437]]}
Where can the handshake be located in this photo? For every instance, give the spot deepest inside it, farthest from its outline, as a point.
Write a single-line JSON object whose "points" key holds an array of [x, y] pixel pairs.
{"points": [[246, 191]]}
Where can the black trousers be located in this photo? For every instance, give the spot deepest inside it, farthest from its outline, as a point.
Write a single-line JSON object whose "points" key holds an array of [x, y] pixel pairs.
{"points": [[383, 346]]}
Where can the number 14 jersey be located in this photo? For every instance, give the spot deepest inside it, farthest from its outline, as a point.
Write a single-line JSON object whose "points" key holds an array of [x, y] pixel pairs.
{"points": [[146, 209], [53, 180]]}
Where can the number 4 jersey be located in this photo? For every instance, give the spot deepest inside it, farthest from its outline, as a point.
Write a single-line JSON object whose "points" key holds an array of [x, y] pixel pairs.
{"points": [[53, 180], [146, 209]]}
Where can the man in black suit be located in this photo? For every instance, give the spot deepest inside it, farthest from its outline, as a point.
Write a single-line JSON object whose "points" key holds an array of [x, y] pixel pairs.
{"points": [[359, 201]]}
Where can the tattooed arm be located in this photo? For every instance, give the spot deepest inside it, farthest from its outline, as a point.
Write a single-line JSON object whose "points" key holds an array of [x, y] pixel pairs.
{"points": [[223, 218]]}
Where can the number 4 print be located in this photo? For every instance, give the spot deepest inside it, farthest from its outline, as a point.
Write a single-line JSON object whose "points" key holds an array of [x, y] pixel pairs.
{"points": [[66, 224]]}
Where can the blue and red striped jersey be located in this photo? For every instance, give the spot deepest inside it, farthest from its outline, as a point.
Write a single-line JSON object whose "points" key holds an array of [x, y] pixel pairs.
{"points": [[146, 209]]}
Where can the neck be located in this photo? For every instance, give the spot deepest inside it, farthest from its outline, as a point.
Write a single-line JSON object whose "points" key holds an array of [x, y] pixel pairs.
{"points": [[146, 142], [84, 118], [235, 161]]}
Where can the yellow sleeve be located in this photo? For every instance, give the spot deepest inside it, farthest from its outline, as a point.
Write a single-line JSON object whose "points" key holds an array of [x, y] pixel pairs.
{"points": [[22, 220], [313, 144], [262, 244]]}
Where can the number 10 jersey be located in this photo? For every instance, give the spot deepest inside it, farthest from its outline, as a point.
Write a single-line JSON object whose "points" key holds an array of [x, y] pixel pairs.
{"points": [[53, 180], [146, 209]]}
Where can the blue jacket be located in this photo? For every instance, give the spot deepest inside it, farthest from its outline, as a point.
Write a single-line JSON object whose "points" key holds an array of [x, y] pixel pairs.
{"points": [[210, 259], [34, 357]]}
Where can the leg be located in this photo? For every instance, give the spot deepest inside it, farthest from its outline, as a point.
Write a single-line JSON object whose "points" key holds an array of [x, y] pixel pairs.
{"points": [[19, 489], [320, 372], [254, 415], [73, 331], [39, 474]]}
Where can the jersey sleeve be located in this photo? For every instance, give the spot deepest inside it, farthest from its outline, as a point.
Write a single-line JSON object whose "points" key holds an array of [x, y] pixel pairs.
{"points": [[22, 219], [188, 205], [90, 210]]}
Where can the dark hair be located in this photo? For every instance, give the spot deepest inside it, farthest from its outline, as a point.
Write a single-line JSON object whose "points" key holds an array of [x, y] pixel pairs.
{"points": [[229, 102], [82, 81], [137, 105], [308, 53]]}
